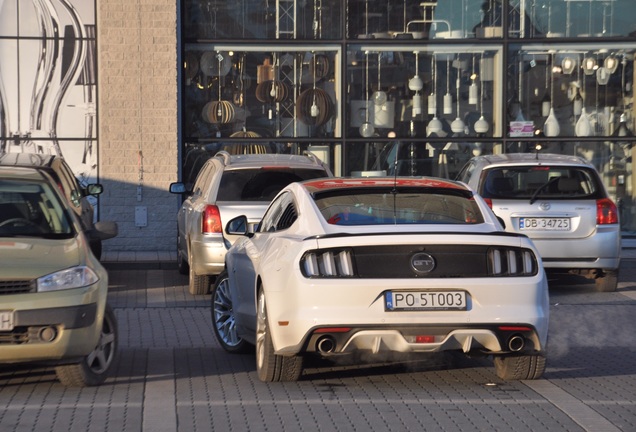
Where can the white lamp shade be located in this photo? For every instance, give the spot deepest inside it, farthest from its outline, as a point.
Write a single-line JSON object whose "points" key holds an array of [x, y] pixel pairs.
{"points": [[434, 126], [568, 64], [416, 83], [583, 127], [481, 125], [432, 104], [473, 93], [448, 103], [611, 63], [457, 126], [602, 75], [589, 65], [551, 127]]}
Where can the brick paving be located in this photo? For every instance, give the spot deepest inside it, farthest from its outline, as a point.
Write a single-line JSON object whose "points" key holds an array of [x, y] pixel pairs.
{"points": [[173, 376]]}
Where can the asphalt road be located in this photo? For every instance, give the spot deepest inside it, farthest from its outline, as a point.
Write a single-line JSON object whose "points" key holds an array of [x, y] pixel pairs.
{"points": [[173, 376]]}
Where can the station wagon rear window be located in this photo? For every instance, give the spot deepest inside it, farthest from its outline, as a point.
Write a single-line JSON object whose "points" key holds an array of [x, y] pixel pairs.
{"points": [[261, 184], [542, 181]]}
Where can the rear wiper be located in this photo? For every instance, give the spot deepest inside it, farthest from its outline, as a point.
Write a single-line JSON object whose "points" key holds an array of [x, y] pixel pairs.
{"points": [[533, 198]]}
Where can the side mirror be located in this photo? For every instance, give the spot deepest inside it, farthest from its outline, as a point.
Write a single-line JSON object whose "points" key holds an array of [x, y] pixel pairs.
{"points": [[94, 189], [178, 188], [104, 230], [237, 226]]}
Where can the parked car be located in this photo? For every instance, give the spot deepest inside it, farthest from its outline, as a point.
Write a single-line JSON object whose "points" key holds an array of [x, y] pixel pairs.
{"points": [[559, 202], [227, 186], [379, 266], [75, 194], [52, 288]]}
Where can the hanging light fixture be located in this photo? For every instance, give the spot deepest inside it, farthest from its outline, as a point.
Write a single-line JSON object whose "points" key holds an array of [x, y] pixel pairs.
{"points": [[611, 63], [366, 129], [589, 65], [546, 102], [472, 89], [567, 65], [551, 127], [379, 96], [458, 126], [416, 84], [432, 98], [481, 126], [583, 126], [448, 98]]}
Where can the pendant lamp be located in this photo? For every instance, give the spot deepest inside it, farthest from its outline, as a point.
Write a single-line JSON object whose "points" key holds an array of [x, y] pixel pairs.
{"points": [[481, 126], [366, 129], [472, 89], [448, 98], [458, 126], [379, 96], [551, 127], [432, 98], [416, 84]]}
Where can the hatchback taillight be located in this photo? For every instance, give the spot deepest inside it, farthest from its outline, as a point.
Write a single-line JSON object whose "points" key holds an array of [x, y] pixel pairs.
{"points": [[211, 220], [606, 212]]}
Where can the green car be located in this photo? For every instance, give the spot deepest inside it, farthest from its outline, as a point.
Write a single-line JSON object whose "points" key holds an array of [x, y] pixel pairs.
{"points": [[52, 288]]}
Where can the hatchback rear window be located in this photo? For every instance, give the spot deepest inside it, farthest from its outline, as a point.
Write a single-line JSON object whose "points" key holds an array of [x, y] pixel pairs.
{"points": [[526, 182], [261, 184]]}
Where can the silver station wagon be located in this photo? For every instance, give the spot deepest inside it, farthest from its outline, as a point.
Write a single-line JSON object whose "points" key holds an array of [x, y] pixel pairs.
{"points": [[559, 202]]}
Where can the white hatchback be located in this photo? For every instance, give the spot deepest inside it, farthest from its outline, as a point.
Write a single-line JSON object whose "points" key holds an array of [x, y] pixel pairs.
{"points": [[559, 202], [379, 266]]}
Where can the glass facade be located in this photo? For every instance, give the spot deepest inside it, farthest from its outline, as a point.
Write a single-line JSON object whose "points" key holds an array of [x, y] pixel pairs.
{"points": [[411, 87]]}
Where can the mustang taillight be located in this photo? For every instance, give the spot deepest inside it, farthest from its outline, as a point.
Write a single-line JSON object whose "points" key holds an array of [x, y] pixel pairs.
{"points": [[211, 220], [328, 263], [606, 212], [505, 261]]}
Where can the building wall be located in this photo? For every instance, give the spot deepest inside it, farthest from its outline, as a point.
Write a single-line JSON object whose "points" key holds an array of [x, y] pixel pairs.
{"points": [[137, 105]]}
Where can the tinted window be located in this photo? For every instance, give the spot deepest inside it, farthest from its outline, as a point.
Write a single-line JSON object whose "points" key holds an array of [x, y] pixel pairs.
{"points": [[31, 209], [261, 184], [407, 206], [541, 181]]}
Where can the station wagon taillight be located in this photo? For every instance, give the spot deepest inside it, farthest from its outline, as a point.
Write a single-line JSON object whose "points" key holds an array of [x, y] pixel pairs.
{"points": [[211, 220], [606, 212]]}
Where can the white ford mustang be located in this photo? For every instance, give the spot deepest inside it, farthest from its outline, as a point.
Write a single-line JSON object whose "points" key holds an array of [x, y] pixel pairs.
{"points": [[380, 265]]}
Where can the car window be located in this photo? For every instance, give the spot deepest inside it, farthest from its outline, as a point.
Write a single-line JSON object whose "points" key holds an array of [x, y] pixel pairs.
{"points": [[203, 178], [69, 183], [281, 214], [466, 173], [406, 206], [524, 182], [261, 184], [32, 209]]}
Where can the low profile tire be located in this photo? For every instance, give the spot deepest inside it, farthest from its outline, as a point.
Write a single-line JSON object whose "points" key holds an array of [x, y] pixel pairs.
{"points": [[223, 320], [198, 284], [269, 366], [608, 282], [94, 368], [528, 367]]}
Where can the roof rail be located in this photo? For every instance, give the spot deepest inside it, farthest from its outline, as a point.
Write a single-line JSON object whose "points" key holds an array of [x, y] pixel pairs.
{"points": [[313, 157], [222, 154]]}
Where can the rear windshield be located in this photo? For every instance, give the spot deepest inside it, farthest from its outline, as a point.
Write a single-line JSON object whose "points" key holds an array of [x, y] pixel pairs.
{"points": [[541, 182], [32, 209], [261, 184], [398, 207]]}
